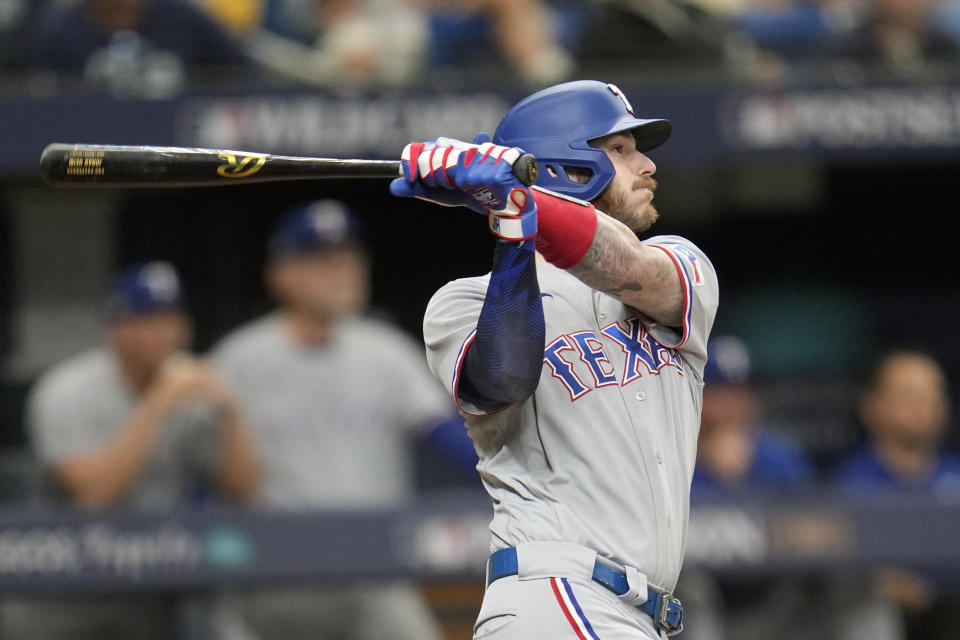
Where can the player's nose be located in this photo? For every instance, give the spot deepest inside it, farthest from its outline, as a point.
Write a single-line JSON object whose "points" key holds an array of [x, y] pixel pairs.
{"points": [[644, 165]]}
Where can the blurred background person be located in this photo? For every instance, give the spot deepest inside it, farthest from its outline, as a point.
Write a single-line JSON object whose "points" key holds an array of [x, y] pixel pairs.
{"points": [[734, 451], [525, 35], [135, 423], [653, 37], [336, 401], [905, 411], [776, 38], [340, 42], [894, 37], [397, 42], [132, 47], [791, 29], [738, 459]]}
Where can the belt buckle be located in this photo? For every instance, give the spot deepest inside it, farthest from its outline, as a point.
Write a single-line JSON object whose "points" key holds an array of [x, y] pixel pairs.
{"points": [[669, 613]]}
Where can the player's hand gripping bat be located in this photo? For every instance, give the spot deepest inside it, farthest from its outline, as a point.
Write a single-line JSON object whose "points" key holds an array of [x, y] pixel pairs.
{"points": [[90, 165]]}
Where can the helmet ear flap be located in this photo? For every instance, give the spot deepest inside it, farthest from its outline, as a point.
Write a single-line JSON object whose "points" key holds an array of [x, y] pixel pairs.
{"points": [[585, 172]]}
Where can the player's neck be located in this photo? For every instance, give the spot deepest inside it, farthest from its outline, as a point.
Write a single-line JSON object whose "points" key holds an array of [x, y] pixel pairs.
{"points": [[134, 376], [311, 330], [912, 462]]}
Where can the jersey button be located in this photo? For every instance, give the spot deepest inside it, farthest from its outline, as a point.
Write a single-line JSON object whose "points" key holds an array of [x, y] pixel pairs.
{"points": [[659, 459], [602, 315], [641, 396]]}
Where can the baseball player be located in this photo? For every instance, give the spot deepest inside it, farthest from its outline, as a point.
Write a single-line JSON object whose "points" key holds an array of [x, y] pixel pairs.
{"points": [[335, 400], [134, 423], [578, 363]]}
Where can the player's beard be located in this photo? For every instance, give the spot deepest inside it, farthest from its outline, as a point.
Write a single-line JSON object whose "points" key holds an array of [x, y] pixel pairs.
{"points": [[615, 202]]}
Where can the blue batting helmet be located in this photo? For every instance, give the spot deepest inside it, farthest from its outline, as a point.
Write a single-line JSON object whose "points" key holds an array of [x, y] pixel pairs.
{"points": [[557, 124]]}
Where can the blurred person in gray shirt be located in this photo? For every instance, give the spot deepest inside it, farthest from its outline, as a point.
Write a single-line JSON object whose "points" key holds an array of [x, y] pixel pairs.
{"points": [[337, 399], [134, 423]]}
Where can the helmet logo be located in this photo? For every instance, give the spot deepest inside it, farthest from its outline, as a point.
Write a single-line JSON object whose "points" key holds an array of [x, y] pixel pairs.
{"points": [[616, 91]]}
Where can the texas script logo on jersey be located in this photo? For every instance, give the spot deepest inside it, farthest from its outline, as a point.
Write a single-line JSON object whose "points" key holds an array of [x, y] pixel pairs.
{"points": [[643, 354]]}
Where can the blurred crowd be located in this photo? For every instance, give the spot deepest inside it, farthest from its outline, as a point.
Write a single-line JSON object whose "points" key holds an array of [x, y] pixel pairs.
{"points": [[155, 47], [315, 405]]}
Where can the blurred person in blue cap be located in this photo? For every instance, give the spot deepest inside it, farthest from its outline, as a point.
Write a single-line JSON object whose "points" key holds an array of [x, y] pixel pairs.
{"points": [[733, 450], [137, 423], [117, 423], [337, 399]]}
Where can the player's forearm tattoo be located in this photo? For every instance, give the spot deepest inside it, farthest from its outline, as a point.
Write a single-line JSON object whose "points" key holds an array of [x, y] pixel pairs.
{"points": [[614, 264], [610, 264]]}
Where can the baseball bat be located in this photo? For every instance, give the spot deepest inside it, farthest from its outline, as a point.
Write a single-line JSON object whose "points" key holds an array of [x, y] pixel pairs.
{"points": [[98, 165]]}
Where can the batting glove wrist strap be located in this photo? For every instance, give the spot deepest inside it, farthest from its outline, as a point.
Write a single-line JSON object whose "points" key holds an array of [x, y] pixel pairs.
{"points": [[566, 227], [518, 220]]}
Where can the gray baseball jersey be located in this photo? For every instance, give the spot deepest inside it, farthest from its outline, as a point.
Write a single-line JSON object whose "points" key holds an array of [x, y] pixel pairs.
{"points": [[333, 422], [602, 454], [77, 406], [334, 426]]}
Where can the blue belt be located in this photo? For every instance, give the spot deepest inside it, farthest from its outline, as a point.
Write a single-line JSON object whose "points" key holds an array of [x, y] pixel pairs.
{"points": [[666, 611]]}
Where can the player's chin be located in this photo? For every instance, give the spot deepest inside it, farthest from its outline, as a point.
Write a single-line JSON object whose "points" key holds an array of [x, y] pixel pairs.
{"points": [[634, 209], [652, 215], [643, 217]]}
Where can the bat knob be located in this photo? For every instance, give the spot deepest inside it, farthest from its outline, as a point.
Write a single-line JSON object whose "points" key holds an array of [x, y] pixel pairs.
{"points": [[54, 162], [526, 169]]}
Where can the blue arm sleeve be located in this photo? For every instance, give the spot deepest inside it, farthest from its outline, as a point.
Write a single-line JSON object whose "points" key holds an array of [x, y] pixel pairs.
{"points": [[503, 363]]}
